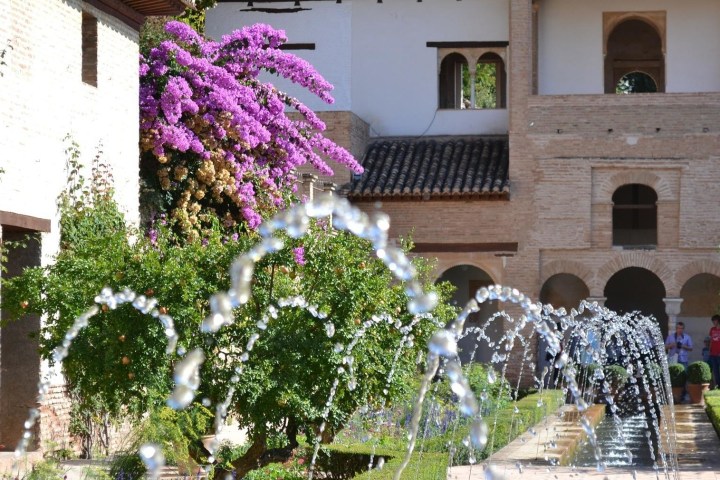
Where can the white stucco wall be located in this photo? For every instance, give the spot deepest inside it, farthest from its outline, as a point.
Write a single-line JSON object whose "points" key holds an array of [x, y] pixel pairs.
{"points": [[44, 99], [570, 50], [377, 57], [326, 24]]}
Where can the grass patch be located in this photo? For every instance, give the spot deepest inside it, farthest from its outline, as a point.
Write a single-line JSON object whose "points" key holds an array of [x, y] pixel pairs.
{"points": [[422, 466], [349, 458], [712, 407], [504, 425]]}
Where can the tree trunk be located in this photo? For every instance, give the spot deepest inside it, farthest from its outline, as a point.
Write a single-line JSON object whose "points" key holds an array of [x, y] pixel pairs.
{"points": [[291, 430], [251, 459]]}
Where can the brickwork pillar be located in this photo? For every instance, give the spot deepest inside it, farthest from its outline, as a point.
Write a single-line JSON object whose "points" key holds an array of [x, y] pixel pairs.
{"points": [[601, 225]]}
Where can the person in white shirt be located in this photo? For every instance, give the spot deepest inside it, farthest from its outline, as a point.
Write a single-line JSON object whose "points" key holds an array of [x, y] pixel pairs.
{"points": [[679, 343]]}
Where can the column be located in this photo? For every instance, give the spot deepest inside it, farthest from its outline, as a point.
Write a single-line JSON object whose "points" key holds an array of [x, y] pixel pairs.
{"points": [[672, 308], [308, 182], [600, 300]]}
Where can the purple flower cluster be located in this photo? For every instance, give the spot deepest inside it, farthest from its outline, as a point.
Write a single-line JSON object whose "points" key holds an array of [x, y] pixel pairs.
{"points": [[299, 255], [220, 139]]}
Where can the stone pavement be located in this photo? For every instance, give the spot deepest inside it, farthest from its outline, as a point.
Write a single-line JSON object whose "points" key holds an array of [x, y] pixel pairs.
{"points": [[697, 447]]}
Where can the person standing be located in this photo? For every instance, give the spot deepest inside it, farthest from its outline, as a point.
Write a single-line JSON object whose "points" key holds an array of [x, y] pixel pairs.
{"points": [[715, 349], [680, 343]]}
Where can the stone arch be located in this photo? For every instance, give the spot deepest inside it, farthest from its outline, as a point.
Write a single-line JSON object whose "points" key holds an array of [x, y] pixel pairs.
{"points": [[443, 54], [583, 272], [636, 288], [635, 258], [467, 279], [638, 81], [700, 295], [564, 290], [690, 270], [498, 89], [700, 300], [643, 177], [444, 265], [656, 20], [633, 41], [450, 92]]}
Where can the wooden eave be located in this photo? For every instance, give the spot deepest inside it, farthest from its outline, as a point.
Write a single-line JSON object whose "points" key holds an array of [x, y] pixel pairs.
{"points": [[133, 12]]}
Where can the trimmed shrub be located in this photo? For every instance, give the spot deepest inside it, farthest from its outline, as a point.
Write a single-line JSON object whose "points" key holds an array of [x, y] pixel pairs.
{"points": [[699, 372], [616, 375], [678, 375]]}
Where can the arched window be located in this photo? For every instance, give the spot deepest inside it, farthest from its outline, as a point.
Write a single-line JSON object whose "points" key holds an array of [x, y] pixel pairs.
{"points": [[634, 46], [454, 82], [475, 85], [490, 82], [635, 216], [636, 82]]}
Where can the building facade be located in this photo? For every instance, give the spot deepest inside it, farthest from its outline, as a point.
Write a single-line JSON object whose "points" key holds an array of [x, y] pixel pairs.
{"points": [[567, 148], [69, 73]]}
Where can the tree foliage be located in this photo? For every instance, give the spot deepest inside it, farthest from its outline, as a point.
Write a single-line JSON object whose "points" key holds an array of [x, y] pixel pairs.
{"points": [[219, 155], [120, 356]]}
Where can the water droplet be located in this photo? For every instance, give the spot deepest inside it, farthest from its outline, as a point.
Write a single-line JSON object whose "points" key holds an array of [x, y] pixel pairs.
{"points": [[330, 329], [423, 303], [380, 463], [152, 456], [181, 397], [320, 206], [443, 343], [491, 376], [338, 348], [479, 433]]}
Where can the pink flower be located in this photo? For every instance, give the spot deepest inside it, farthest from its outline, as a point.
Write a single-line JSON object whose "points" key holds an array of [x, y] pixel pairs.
{"points": [[299, 254], [202, 100]]}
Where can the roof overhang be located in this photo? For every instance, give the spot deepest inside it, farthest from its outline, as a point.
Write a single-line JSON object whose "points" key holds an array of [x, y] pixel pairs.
{"points": [[133, 12], [433, 168]]}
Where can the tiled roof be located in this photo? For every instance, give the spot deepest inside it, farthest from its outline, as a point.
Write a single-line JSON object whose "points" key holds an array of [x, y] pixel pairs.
{"points": [[434, 168]]}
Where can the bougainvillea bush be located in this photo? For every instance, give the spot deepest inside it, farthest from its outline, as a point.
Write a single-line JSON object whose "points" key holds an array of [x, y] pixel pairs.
{"points": [[218, 142]]}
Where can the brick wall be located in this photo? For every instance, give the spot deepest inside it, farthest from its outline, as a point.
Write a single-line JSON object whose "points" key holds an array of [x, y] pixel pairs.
{"points": [[568, 155], [347, 130]]}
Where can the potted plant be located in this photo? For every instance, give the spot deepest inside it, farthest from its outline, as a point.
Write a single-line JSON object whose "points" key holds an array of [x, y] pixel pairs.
{"points": [[678, 378], [698, 381]]}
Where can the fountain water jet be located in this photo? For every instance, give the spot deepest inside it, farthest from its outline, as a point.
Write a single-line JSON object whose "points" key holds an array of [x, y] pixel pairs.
{"points": [[443, 349]]}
